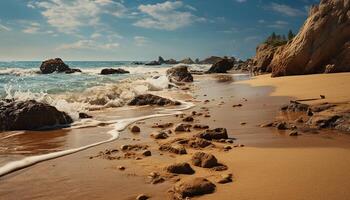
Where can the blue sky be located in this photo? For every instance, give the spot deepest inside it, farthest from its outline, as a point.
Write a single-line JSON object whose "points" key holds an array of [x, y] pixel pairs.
{"points": [[142, 29]]}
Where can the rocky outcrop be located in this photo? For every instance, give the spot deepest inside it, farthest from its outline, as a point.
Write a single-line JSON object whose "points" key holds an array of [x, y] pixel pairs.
{"points": [[150, 99], [322, 44], [222, 66], [113, 71], [263, 57], [30, 115], [56, 65], [161, 60], [211, 60], [187, 61], [179, 74]]}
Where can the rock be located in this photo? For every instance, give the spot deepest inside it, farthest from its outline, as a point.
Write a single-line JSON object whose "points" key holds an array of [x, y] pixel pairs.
{"points": [[222, 66], [179, 74], [71, 71], [122, 168], [142, 197], [187, 61], [204, 160], [193, 187], [188, 119], [161, 60], [322, 44], [200, 126], [150, 99], [30, 115], [135, 129], [281, 126], [183, 128], [171, 62], [113, 71], [237, 105], [164, 125], [211, 60], [134, 147], [293, 133], [227, 147], [295, 106], [225, 178], [180, 168], [152, 63], [214, 134], [53, 65], [160, 135], [84, 116], [173, 148], [147, 153], [199, 143], [268, 124], [263, 57], [137, 63]]}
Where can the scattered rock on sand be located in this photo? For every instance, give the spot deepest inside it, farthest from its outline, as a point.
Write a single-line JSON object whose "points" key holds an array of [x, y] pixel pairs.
{"points": [[142, 197], [183, 128], [237, 105], [84, 116], [150, 99], [294, 133], [122, 168], [147, 153], [160, 135], [193, 187], [179, 74], [173, 148], [164, 125], [30, 115], [188, 119], [133, 147], [135, 129], [204, 160], [225, 178], [180, 168], [214, 134], [199, 143], [268, 124], [281, 126], [200, 126]]}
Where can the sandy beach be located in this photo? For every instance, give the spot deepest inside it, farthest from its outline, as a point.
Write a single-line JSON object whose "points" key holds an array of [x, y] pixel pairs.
{"points": [[266, 164]]}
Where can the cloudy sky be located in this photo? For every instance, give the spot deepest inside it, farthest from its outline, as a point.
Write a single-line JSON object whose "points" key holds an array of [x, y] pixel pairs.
{"points": [[142, 29]]}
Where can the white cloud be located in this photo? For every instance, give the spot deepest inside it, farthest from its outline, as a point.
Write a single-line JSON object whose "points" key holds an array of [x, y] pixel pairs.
{"points": [[88, 44], [140, 40], [279, 24], [286, 10], [69, 15], [166, 16], [96, 35], [32, 28], [4, 28], [261, 21]]}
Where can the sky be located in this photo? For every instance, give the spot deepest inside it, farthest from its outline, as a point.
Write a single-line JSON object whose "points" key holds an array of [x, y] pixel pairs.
{"points": [[142, 29]]}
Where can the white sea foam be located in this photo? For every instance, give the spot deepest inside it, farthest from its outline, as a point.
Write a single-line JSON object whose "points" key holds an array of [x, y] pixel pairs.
{"points": [[19, 71], [118, 126]]}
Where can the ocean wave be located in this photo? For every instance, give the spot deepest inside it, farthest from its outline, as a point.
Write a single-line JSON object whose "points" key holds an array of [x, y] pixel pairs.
{"points": [[19, 71]]}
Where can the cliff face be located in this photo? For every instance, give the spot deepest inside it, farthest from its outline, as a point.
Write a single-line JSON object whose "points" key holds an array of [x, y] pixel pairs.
{"points": [[322, 44], [263, 57]]}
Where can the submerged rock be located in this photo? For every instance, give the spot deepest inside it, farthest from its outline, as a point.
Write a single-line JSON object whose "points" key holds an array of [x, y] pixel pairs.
{"points": [[30, 115], [179, 74], [193, 187], [150, 99], [113, 71]]}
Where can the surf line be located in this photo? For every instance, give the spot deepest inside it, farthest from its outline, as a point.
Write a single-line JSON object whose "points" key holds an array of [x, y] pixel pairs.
{"points": [[119, 126]]}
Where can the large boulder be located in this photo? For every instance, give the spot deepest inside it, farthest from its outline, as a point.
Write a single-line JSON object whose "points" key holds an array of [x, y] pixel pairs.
{"points": [[211, 60], [113, 71], [150, 99], [187, 61], [263, 57], [222, 66], [179, 74], [53, 65], [204, 160], [30, 115], [322, 44]]}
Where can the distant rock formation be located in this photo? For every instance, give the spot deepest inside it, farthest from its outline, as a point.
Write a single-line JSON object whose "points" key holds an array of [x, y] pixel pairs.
{"points": [[222, 66], [171, 62], [211, 60], [30, 115], [113, 71], [187, 61], [56, 65], [161, 60], [153, 63], [179, 74], [322, 44]]}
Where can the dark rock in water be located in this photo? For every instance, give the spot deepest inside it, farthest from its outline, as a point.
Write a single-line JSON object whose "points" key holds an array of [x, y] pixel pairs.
{"points": [[150, 99], [137, 63], [153, 63], [179, 74], [71, 71], [53, 65], [30, 115], [171, 62], [222, 66], [193, 187], [180, 168], [113, 71], [84, 116], [214, 134], [204, 160]]}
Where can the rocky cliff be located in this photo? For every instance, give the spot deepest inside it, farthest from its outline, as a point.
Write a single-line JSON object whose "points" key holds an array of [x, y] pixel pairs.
{"points": [[322, 44]]}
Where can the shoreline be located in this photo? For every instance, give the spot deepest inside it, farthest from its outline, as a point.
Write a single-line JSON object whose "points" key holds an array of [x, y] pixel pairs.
{"points": [[262, 147]]}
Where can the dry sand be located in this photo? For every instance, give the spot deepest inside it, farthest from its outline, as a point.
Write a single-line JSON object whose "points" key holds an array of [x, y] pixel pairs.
{"points": [[272, 165]]}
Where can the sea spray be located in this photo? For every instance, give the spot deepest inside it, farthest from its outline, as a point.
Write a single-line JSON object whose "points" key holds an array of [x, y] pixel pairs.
{"points": [[118, 126]]}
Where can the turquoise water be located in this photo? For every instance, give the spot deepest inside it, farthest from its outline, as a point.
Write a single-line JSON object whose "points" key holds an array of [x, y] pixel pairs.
{"points": [[24, 76]]}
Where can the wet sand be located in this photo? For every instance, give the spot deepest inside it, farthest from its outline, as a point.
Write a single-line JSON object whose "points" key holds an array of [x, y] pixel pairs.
{"points": [[272, 165]]}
